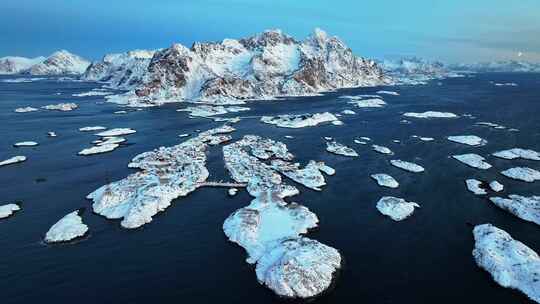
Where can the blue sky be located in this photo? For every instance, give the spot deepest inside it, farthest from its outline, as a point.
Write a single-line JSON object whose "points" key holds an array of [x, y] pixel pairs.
{"points": [[450, 30]]}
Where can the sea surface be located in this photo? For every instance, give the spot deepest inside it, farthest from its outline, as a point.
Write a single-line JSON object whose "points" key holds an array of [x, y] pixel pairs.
{"points": [[183, 256]]}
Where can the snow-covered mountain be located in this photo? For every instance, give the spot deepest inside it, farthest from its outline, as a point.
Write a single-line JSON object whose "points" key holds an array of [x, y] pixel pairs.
{"points": [[414, 70], [15, 65], [499, 66], [60, 63], [263, 66], [121, 71]]}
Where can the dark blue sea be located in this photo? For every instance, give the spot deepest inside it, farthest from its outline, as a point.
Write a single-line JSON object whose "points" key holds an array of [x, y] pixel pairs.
{"points": [[183, 256]]}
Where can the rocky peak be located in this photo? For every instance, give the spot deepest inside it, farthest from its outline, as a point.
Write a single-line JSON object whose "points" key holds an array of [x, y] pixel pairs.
{"points": [[321, 42], [262, 66], [319, 36], [121, 70], [167, 69], [204, 49], [60, 63], [131, 55], [267, 38]]}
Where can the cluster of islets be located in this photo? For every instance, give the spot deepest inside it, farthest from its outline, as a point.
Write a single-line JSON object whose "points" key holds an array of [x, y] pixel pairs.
{"points": [[272, 230], [64, 107], [494, 247], [495, 250], [269, 228], [109, 139]]}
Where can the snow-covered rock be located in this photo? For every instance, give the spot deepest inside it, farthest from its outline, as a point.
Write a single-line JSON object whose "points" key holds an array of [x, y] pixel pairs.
{"points": [[506, 84], [100, 148], [248, 167], [232, 191], [368, 103], [496, 186], [64, 107], [490, 125], [60, 63], [116, 132], [348, 112], [298, 267], [473, 160], [475, 186], [511, 263], [261, 67], [522, 173], [470, 140], [430, 114], [26, 110], [393, 93], [340, 149], [407, 166], [25, 144], [515, 153], [208, 110], [270, 229], [267, 219], [310, 176], [231, 120], [92, 93], [396, 208], [111, 140], [382, 150], [526, 208], [422, 138], [66, 229], [92, 128], [13, 160], [360, 96], [385, 180], [299, 120], [15, 65], [120, 71], [165, 174], [8, 210]]}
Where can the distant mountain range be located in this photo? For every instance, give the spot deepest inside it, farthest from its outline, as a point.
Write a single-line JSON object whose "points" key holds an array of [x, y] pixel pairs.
{"points": [[59, 63], [414, 70], [263, 66], [16, 65], [499, 66]]}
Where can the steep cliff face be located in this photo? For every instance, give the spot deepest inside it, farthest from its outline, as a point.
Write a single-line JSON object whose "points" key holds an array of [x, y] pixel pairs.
{"points": [[263, 66], [121, 71], [16, 65], [60, 63]]}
